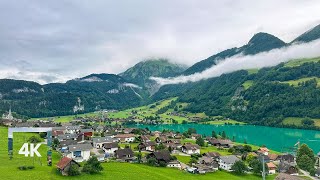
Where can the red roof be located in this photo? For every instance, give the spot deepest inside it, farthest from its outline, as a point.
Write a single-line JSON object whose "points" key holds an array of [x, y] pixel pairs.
{"points": [[63, 162], [57, 132]]}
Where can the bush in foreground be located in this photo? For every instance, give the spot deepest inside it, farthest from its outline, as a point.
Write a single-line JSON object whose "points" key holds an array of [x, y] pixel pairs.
{"points": [[92, 166]]}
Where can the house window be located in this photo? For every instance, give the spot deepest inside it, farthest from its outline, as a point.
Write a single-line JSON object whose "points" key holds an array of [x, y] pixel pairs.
{"points": [[77, 153]]}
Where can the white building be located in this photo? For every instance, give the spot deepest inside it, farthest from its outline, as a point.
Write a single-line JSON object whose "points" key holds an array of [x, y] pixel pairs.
{"points": [[79, 152], [110, 148], [226, 162], [125, 137], [190, 149], [99, 141], [174, 164]]}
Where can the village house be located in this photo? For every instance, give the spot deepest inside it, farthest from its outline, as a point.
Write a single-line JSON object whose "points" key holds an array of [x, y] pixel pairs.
{"points": [[202, 169], [147, 146], [67, 137], [160, 156], [317, 174], [224, 143], [128, 130], [72, 129], [110, 148], [87, 132], [263, 150], [63, 145], [98, 141], [145, 138], [272, 168], [56, 133], [287, 158], [195, 136], [156, 133], [209, 162], [64, 164], [288, 168], [79, 152], [273, 158], [213, 155], [190, 149], [124, 154], [174, 164], [161, 139], [174, 147], [125, 137], [226, 162]]}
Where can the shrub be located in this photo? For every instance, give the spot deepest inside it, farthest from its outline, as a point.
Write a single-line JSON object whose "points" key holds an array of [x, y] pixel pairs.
{"points": [[73, 170], [22, 167], [92, 166]]}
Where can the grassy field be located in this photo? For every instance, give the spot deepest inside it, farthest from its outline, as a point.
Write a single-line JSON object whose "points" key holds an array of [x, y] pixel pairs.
{"points": [[221, 122], [297, 81], [9, 168], [247, 84], [297, 121], [298, 62], [67, 118], [253, 71]]}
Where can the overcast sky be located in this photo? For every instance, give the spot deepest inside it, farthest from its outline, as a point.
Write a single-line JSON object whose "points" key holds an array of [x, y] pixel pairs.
{"points": [[52, 41]]}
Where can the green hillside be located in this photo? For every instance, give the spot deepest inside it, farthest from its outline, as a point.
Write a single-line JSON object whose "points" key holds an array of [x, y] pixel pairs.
{"points": [[141, 72], [265, 98]]}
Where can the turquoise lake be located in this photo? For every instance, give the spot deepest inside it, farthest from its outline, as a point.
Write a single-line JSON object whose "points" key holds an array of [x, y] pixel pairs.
{"points": [[278, 139]]}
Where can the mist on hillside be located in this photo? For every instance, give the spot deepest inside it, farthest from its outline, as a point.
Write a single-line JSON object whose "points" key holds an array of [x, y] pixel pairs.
{"points": [[235, 63]]}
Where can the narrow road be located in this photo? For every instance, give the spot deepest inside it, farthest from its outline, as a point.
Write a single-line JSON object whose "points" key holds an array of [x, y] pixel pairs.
{"points": [[305, 173]]}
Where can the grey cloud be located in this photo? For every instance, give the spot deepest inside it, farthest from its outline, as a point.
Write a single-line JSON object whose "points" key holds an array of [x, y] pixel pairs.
{"points": [[73, 38]]}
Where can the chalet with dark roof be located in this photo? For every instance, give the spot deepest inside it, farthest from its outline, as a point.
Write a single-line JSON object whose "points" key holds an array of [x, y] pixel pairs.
{"points": [[110, 148], [124, 154], [163, 156]]}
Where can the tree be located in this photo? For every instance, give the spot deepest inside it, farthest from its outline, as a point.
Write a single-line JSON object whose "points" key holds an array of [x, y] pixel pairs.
{"points": [[214, 134], [55, 143], [34, 139], [139, 157], [152, 162], [256, 166], [43, 134], [200, 141], [192, 131], [306, 163], [192, 161], [92, 166], [239, 167], [307, 122], [160, 146], [305, 158], [247, 148], [73, 170], [224, 136]]}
